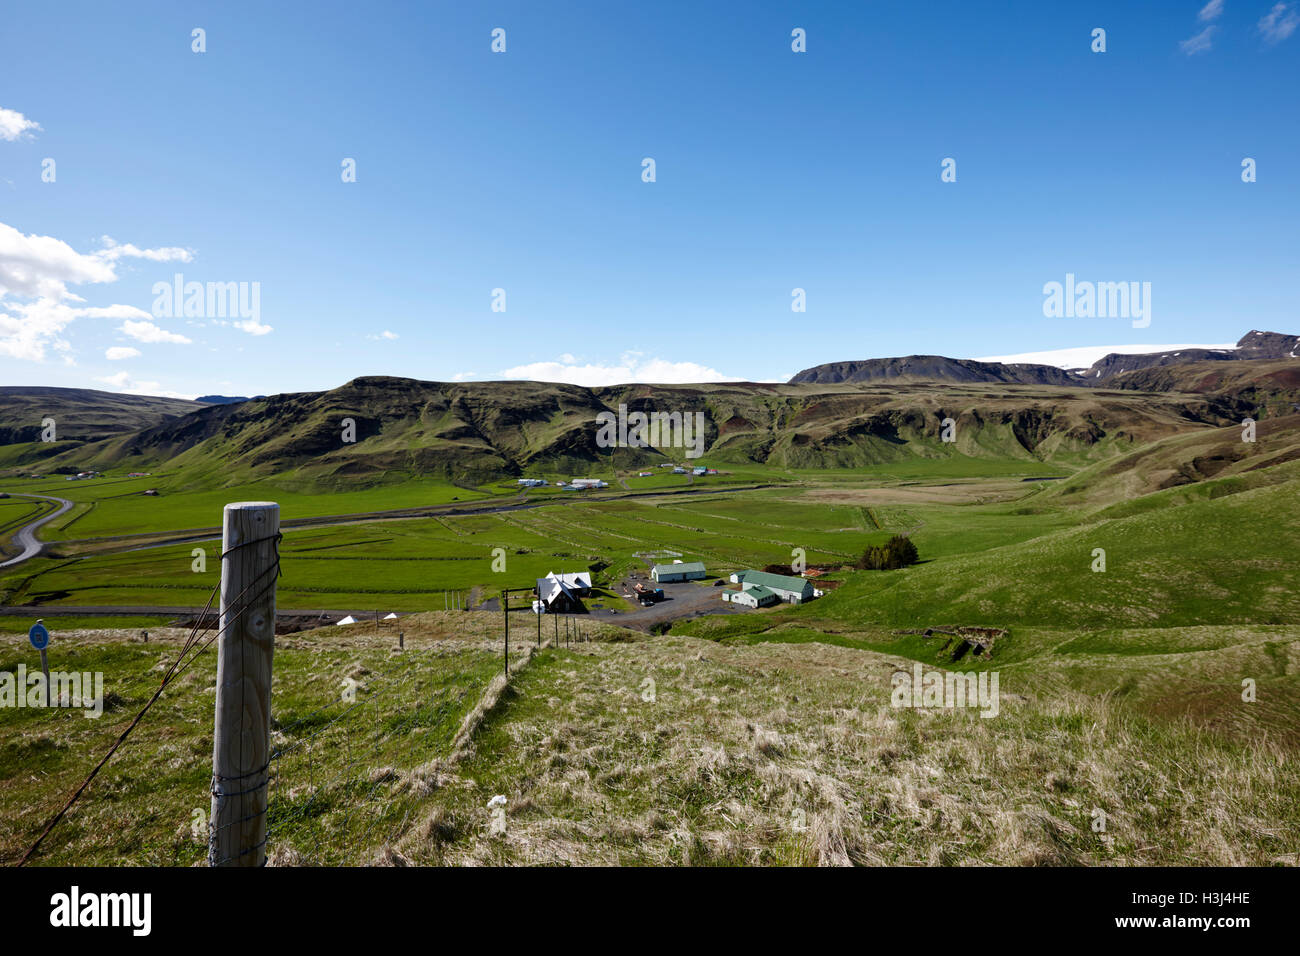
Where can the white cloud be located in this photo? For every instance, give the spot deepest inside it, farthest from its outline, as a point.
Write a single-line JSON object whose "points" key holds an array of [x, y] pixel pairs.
{"points": [[42, 266], [386, 335], [1085, 355], [122, 382], [632, 370], [463, 376], [252, 326], [1279, 23], [112, 252], [1210, 11], [119, 352], [40, 269], [27, 329], [146, 331], [14, 125], [1199, 43]]}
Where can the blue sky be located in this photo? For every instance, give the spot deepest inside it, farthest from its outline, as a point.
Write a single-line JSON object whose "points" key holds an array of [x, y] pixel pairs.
{"points": [[523, 171]]}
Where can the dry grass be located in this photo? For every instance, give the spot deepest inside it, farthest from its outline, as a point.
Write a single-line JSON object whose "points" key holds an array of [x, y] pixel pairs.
{"points": [[791, 754]]}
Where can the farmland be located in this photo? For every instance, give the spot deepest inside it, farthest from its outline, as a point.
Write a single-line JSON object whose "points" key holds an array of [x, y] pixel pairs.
{"points": [[407, 564], [1119, 678]]}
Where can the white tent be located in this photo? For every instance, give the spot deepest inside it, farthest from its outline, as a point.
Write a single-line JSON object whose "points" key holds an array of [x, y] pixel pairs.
{"points": [[390, 616], [347, 620]]}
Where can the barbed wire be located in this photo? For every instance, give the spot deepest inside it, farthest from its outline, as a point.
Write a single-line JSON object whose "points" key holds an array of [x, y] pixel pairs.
{"points": [[178, 666]]}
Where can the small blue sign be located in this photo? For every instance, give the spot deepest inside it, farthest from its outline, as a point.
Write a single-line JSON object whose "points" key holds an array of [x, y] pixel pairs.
{"points": [[39, 636]]}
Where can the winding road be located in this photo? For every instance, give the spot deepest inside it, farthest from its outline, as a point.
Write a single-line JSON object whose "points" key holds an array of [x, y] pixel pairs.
{"points": [[25, 537]]}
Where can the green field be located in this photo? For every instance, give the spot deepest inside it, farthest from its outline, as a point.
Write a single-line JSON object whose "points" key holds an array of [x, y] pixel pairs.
{"points": [[1115, 682]]}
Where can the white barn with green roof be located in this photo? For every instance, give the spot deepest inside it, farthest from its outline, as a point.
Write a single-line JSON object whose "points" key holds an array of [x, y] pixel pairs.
{"points": [[792, 590], [678, 571], [753, 596]]}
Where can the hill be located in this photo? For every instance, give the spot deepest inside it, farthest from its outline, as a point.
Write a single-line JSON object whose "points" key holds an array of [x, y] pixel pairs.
{"points": [[81, 416], [477, 431], [935, 368], [1253, 346]]}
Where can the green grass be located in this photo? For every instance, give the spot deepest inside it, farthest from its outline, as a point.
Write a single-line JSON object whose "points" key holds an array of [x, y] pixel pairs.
{"points": [[340, 786], [59, 623]]}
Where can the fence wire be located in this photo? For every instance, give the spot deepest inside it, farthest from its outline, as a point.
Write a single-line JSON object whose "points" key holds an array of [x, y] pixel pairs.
{"points": [[194, 646]]}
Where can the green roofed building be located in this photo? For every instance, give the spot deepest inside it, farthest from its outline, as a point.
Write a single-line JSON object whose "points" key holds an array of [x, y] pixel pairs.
{"points": [[754, 596], [790, 589], [680, 571]]}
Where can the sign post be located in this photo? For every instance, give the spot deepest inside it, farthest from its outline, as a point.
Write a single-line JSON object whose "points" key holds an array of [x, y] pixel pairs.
{"points": [[40, 639]]}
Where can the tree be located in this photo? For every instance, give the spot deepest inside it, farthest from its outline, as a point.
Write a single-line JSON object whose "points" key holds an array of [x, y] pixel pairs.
{"points": [[897, 552]]}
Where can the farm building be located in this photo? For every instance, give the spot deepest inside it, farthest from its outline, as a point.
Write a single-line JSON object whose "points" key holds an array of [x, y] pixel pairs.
{"points": [[578, 581], [678, 571], [555, 596], [787, 588], [699, 470], [755, 596], [583, 483], [531, 482]]}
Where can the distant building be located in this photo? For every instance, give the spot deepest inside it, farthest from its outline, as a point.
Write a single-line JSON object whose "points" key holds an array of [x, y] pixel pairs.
{"points": [[678, 470], [755, 596], [644, 474], [789, 589], [584, 483], [678, 571], [700, 470], [531, 482]]}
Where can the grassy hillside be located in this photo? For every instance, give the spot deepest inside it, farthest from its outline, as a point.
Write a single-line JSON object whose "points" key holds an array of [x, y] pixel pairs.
{"points": [[80, 416], [479, 432], [635, 750]]}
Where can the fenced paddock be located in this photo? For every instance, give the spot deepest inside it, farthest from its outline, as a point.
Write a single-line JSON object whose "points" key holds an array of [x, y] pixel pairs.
{"points": [[343, 775]]}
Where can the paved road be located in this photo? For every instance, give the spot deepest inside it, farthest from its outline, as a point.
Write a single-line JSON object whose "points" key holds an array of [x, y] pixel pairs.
{"points": [[25, 537], [129, 542], [160, 610]]}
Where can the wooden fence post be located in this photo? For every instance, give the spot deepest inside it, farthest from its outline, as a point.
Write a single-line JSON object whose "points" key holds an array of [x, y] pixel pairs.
{"points": [[505, 617], [241, 739]]}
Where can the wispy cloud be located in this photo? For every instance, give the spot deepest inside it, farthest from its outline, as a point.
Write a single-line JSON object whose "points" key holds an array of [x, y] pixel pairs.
{"points": [[14, 125], [112, 251], [119, 352], [252, 326], [123, 382], [147, 331], [1210, 11], [1279, 23], [385, 336], [1199, 43], [631, 368]]}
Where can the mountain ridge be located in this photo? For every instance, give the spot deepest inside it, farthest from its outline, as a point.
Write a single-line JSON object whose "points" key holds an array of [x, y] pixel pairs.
{"points": [[1254, 345]]}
